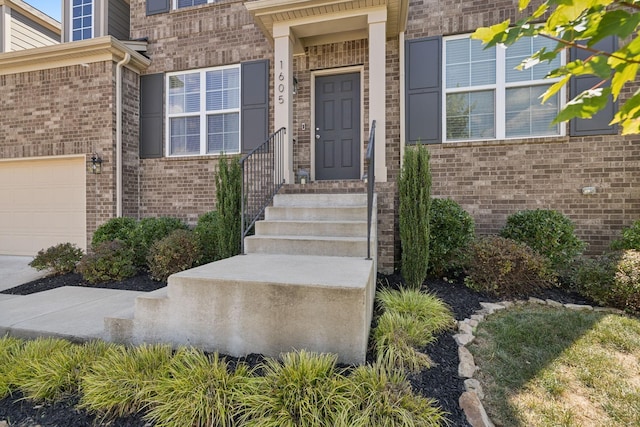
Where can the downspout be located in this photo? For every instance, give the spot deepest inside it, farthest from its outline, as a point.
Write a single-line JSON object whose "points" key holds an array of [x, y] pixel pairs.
{"points": [[402, 99], [125, 61]]}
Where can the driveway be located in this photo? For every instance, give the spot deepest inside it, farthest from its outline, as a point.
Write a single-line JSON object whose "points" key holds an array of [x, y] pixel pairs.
{"points": [[15, 270]]}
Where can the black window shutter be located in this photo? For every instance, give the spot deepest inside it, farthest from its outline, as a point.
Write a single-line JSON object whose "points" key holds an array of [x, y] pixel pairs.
{"points": [[151, 116], [423, 90], [158, 6], [255, 103], [599, 123]]}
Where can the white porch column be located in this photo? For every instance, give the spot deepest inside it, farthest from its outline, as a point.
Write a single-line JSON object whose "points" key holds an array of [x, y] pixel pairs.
{"points": [[283, 96], [5, 29], [377, 86]]}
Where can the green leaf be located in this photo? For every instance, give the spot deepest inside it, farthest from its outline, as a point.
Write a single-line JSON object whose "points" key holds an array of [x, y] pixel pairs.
{"points": [[615, 23], [522, 4], [555, 88], [584, 105], [624, 73], [494, 33]]}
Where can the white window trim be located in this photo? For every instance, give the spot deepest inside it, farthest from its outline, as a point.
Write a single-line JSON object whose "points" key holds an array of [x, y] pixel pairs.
{"points": [[499, 89], [93, 21], [174, 4], [203, 111]]}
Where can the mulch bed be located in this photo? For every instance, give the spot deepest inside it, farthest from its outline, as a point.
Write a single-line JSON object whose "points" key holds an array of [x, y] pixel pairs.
{"points": [[440, 383]]}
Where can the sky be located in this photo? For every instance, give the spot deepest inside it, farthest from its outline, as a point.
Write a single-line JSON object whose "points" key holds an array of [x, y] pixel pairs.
{"points": [[50, 7]]}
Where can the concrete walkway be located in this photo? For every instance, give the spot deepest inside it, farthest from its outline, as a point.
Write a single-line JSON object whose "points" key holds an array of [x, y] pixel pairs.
{"points": [[15, 270]]}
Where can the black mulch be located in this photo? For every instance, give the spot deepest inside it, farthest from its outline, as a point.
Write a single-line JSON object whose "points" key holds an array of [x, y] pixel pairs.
{"points": [[441, 382]]}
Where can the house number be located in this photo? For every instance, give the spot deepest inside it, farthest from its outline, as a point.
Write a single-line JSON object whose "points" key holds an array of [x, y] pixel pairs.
{"points": [[281, 86]]}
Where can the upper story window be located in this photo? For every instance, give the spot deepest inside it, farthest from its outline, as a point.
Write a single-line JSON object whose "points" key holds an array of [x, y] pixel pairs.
{"points": [[179, 4], [203, 111], [485, 97], [82, 19]]}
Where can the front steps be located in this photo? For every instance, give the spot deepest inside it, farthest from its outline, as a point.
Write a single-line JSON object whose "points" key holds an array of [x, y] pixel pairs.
{"points": [[303, 284]]}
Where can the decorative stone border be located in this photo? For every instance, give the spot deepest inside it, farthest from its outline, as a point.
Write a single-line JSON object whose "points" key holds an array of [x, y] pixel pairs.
{"points": [[471, 400]]}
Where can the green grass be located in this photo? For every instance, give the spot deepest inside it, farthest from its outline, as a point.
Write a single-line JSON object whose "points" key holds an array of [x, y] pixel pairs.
{"points": [[543, 366], [9, 349]]}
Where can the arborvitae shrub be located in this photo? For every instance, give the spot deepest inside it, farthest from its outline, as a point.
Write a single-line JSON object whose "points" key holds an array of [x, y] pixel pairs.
{"points": [[148, 231], [109, 261], [415, 199], [451, 230], [114, 229], [228, 197], [506, 268], [207, 233], [172, 254], [548, 232], [630, 238], [59, 259]]}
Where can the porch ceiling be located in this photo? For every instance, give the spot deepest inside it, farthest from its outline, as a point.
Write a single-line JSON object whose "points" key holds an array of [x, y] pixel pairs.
{"points": [[315, 22]]}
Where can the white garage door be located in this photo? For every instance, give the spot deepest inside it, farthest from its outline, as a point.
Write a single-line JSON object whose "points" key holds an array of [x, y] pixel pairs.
{"points": [[42, 203]]}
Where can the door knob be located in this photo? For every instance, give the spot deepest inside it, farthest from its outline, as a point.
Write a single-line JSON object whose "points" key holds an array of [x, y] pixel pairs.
{"points": [[317, 136]]}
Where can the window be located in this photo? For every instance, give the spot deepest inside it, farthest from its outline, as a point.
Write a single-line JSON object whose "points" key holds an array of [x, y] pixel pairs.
{"points": [[203, 112], [179, 4], [81, 20], [487, 98]]}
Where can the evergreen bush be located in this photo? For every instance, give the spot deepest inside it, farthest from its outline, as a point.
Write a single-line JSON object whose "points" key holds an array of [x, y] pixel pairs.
{"points": [[451, 229], [414, 188], [59, 259], [109, 261], [172, 254], [114, 229], [228, 197], [207, 233], [147, 232], [630, 238]]}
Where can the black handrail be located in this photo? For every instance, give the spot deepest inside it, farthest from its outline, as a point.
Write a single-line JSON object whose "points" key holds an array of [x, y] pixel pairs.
{"points": [[371, 180], [262, 178]]}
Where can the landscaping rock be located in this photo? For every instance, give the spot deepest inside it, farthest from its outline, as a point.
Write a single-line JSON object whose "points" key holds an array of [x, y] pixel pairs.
{"points": [[579, 307], [472, 384], [463, 339], [473, 409], [465, 328], [491, 307], [553, 303], [4, 424], [536, 301], [467, 366]]}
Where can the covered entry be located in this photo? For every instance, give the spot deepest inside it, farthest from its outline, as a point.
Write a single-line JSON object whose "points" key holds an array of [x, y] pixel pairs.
{"points": [[42, 203]]}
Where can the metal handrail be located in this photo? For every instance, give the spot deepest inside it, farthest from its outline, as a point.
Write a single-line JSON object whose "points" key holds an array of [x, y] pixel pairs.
{"points": [[262, 178], [371, 179]]}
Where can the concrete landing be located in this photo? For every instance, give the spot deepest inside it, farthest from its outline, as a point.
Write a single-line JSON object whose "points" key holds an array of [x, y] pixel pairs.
{"points": [[15, 270], [70, 312]]}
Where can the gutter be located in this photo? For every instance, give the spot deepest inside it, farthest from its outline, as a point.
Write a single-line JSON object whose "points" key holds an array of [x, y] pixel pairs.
{"points": [[119, 66]]}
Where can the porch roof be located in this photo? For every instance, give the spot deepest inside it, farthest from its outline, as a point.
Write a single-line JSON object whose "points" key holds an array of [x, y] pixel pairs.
{"points": [[315, 22]]}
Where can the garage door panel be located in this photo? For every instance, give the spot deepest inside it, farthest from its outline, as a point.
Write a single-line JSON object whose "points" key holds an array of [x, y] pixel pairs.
{"points": [[43, 204]]}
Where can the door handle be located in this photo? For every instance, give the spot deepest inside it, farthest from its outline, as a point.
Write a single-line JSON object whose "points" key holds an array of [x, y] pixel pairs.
{"points": [[317, 136]]}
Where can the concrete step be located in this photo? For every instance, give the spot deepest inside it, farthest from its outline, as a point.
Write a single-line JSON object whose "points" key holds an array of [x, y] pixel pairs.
{"points": [[263, 303], [311, 228], [298, 213], [307, 245], [320, 200]]}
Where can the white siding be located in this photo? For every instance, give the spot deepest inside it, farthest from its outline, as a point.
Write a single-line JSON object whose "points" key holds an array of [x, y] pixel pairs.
{"points": [[26, 34]]}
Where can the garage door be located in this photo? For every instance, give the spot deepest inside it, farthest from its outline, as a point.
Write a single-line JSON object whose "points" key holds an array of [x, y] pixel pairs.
{"points": [[42, 203]]}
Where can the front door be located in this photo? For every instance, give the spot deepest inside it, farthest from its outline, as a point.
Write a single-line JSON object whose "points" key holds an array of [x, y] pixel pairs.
{"points": [[338, 127]]}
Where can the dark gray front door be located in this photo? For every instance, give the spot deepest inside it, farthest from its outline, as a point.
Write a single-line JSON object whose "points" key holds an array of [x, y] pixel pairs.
{"points": [[338, 127]]}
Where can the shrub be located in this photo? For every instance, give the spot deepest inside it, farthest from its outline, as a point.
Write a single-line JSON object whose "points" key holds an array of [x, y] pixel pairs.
{"points": [[10, 349], [611, 279], [506, 268], [110, 261], [207, 232], [302, 391], [114, 229], [451, 229], [176, 252], [548, 232], [117, 384], [228, 197], [630, 238], [414, 188], [60, 259], [147, 232], [199, 390]]}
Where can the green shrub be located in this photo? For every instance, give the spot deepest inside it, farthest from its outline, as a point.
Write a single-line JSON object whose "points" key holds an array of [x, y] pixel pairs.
{"points": [[118, 384], [506, 268], [174, 253], [147, 232], [207, 232], [199, 390], [109, 261], [59, 259], [114, 229], [548, 232], [451, 230], [10, 350], [414, 188], [228, 199], [303, 391], [383, 398], [630, 238], [611, 279]]}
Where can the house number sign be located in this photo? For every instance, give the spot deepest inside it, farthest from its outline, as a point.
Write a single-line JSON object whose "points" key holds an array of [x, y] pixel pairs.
{"points": [[281, 85]]}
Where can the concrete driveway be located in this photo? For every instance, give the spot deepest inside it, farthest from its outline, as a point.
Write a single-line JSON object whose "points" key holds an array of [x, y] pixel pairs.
{"points": [[15, 270]]}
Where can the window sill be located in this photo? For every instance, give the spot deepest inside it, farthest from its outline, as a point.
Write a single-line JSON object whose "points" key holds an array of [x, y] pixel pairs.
{"points": [[503, 142]]}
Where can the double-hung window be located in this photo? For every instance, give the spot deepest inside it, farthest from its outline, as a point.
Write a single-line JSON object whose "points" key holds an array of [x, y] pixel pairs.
{"points": [[81, 19], [485, 97], [179, 4], [203, 109]]}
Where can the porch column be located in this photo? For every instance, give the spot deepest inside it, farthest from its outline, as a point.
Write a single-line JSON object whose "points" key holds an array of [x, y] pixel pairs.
{"points": [[5, 29], [377, 86], [282, 89]]}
